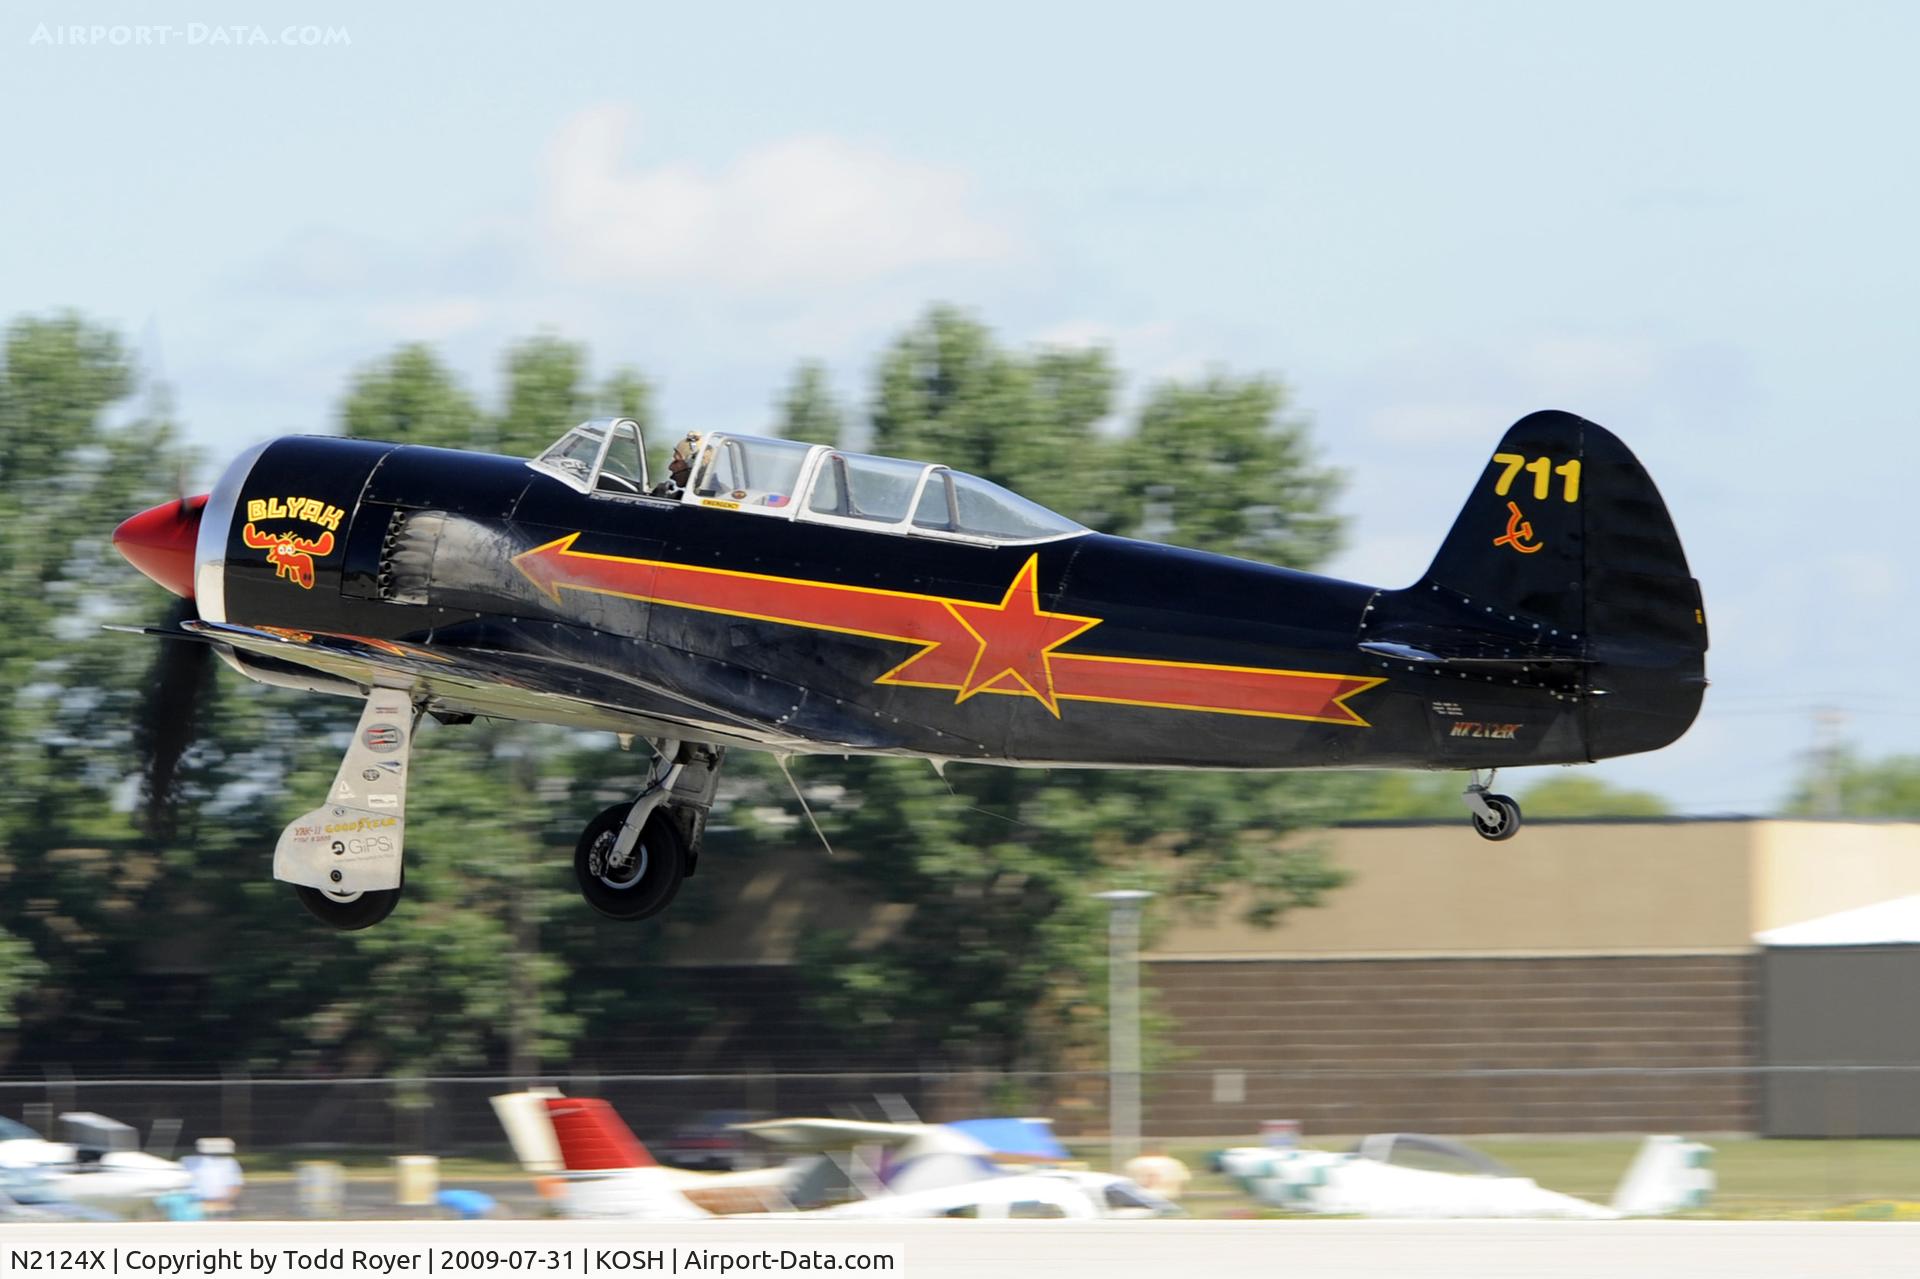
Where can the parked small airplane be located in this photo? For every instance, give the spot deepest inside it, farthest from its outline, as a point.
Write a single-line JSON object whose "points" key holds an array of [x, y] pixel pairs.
{"points": [[99, 1170], [973, 1168], [935, 1171], [798, 599], [1414, 1175]]}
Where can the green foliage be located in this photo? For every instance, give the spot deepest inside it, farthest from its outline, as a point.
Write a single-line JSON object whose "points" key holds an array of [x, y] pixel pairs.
{"points": [[946, 392], [1576, 795], [1407, 797], [1001, 958], [808, 410], [410, 398], [1848, 785], [1231, 471], [626, 393], [68, 700], [998, 958], [1424, 797]]}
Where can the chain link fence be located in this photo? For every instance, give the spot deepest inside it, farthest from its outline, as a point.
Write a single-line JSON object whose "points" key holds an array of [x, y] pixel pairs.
{"points": [[451, 1115]]}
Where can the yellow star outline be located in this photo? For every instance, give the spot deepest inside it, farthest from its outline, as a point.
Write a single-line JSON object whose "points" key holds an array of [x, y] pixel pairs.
{"points": [[1017, 638]]}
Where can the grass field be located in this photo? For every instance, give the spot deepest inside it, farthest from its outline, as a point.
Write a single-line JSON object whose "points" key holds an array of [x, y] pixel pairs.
{"points": [[1756, 1178]]}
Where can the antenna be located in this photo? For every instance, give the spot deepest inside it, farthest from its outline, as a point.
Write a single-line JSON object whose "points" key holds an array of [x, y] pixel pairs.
{"points": [[1828, 725]]}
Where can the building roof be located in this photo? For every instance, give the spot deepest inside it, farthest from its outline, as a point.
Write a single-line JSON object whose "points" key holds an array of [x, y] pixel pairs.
{"points": [[1887, 923]]}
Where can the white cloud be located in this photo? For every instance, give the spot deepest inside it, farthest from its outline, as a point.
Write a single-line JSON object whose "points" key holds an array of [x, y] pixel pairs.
{"points": [[1434, 422], [430, 321], [800, 212]]}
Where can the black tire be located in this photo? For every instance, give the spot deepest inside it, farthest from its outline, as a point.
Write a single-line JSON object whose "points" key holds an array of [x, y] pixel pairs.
{"points": [[650, 887], [350, 916], [1507, 819]]}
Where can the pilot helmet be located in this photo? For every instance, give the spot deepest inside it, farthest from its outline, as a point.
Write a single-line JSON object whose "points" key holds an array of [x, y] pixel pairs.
{"points": [[683, 451]]}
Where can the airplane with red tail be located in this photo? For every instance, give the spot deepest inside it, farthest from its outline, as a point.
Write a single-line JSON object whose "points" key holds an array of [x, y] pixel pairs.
{"points": [[800, 599]]}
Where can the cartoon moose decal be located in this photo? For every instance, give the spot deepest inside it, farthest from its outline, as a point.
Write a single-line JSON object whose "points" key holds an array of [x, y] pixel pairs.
{"points": [[291, 556]]}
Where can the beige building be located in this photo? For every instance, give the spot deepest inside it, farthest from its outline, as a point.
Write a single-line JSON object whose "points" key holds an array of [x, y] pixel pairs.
{"points": [[1586, 976]]}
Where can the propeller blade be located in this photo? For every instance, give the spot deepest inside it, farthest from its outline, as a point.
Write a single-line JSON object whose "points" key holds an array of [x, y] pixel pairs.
{"points": [[178, 683]]}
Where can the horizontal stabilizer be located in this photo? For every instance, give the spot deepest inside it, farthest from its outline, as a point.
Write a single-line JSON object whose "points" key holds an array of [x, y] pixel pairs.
{"points": [[1490, 654]]}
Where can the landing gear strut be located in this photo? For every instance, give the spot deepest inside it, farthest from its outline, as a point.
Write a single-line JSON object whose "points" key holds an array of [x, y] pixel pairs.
{"points": [[343, 858], [632, 858], [1495, 817]]}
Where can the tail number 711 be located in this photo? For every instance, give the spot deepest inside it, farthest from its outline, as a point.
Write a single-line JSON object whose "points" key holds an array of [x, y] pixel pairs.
{"points": [[1543, 470]]}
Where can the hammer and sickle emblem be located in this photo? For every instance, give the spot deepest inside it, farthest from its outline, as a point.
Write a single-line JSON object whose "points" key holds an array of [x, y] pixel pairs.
{"points": [[1519, 534]]}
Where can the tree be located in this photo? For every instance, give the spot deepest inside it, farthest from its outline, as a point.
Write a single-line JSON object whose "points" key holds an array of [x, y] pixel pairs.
{"points": [[1845, 784], [1577, 795], [1224, 467], [947, 392], [1001, 960], [410, 398], [808, 411], [77, 881]]}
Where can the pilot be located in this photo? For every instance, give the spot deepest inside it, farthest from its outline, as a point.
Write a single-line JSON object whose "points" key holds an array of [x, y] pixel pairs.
{"points": [[679, 467]]}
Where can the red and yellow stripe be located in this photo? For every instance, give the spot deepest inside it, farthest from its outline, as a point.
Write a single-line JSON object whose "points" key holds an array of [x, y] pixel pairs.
{"points": [[965, 646]]}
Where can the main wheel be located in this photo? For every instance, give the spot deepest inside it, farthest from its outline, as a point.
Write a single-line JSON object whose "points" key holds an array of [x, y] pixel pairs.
{"points": [[350, 912], [1506, 818], [646, 881]]}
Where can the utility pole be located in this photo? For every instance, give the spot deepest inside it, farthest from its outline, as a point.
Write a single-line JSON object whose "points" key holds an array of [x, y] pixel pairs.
{"points": [[523, 1015], [1123, 1021], [1828, 724]]}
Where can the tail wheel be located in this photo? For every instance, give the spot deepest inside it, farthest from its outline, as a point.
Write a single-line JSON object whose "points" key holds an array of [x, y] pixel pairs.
{"points": [[645, 881], [350, 912], [1506, 818]]}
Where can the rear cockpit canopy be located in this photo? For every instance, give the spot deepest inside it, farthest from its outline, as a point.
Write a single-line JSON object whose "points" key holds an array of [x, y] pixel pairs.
{"points": [[812, 483]]}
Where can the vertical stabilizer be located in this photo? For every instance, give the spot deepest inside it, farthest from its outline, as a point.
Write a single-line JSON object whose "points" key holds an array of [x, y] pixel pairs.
{"points": [[1670, 1174]]}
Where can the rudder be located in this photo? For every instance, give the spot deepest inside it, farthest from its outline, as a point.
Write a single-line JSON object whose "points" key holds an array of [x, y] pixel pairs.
{"points": [[1564, 567]]}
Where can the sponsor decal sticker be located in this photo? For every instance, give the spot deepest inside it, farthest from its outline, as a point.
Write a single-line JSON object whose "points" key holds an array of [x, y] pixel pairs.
{"points": [[361, 823], [382, 738], [370, 774], [383, 801], [369, 846]]}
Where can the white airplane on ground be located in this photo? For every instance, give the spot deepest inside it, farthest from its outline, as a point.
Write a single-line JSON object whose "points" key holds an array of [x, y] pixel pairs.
{"points": [[99, 1171], [606, 1172], [1413, 1175], [960, 1169], [936, 1172]]}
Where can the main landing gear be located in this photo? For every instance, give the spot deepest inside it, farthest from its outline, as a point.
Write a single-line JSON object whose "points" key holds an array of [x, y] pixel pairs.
{"points": [[343, 858], [1494, 817], [632, 858]]}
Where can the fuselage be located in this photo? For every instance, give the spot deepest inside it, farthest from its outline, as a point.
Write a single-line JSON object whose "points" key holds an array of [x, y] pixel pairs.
{"points": [[505, 590]]}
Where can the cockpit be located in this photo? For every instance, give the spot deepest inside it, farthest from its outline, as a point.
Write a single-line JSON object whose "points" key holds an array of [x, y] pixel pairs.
{"points": [[810, 483]]}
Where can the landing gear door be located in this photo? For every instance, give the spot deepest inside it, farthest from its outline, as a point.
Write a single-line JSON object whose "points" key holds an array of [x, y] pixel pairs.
{"points": [[352, 844]]}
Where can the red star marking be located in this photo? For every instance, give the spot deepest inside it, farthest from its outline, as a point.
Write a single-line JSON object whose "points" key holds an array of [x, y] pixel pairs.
{"points": [[1016, 639]]}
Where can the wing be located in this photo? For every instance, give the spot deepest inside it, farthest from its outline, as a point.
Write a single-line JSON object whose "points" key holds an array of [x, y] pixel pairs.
{"points": [[833, 1134], [474, 678]]}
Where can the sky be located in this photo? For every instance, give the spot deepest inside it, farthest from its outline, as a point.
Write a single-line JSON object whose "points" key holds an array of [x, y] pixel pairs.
{"points": [[1692, 223]]}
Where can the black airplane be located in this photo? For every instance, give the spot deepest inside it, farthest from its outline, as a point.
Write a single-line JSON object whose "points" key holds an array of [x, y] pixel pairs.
{"points": [[799, 599]]}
